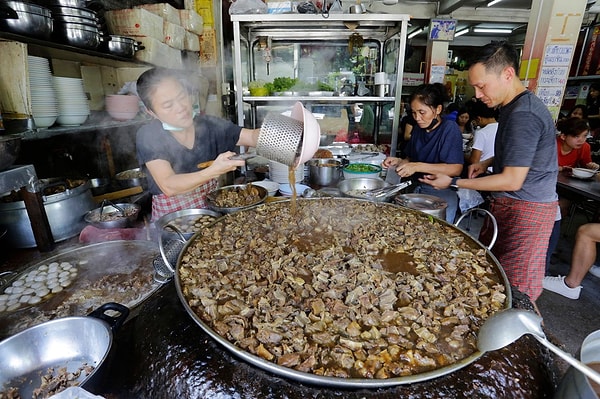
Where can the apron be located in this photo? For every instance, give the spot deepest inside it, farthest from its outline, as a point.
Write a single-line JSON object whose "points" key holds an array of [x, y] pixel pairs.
{"points": [[163, 204]]}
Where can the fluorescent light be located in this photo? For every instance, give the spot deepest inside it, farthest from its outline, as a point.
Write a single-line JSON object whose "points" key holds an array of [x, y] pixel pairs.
{"points": [[492, 30], [461, 32], [415, 33], [491, 3]]}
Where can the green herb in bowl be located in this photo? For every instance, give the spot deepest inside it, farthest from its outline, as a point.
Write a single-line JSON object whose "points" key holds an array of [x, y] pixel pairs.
{"points": [[362, 170]]}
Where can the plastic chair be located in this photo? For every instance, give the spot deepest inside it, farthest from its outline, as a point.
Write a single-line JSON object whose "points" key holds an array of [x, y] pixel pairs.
{"points": [[474, 212]]}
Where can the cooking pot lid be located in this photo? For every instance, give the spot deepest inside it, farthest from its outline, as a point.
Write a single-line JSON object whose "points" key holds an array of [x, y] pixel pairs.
{"points": [[421, 201]]}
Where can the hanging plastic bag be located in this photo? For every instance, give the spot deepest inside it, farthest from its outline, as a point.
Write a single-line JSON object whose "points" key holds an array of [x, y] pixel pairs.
{"points": [[469, 199], [247, 7]]}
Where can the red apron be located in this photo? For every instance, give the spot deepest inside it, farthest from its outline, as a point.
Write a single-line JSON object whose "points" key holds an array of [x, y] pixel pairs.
{"points": [[163, 204]]}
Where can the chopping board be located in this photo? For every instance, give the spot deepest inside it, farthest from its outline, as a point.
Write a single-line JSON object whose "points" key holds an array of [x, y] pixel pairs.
{"points": [[114, 271]]}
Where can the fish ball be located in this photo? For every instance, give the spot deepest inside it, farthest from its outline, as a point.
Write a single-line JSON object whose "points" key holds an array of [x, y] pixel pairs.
{"points": [[34, 299]]}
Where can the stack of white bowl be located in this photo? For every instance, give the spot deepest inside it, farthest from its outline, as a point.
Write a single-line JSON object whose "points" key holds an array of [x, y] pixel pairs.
{"points": [[44, 104], [73, 107], [279, 172]]}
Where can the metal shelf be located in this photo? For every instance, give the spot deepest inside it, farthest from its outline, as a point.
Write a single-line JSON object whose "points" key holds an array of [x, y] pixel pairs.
{"points": [[324, 99], [317, 27], [48, 49]]}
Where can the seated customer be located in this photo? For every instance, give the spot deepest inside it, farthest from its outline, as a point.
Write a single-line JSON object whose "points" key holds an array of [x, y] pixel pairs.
{"points": [[483, 143], [582, 261]]}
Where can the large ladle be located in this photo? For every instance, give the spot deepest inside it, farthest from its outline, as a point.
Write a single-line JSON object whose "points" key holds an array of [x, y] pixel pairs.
{"points": [[505, 327]]}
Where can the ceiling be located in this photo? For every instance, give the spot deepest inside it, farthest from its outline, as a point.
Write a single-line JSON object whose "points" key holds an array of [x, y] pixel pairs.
{"points": [[506, 14]]}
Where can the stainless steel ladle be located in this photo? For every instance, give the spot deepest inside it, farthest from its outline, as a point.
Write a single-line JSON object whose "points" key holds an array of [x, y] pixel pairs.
{"points": [[505, 327]]}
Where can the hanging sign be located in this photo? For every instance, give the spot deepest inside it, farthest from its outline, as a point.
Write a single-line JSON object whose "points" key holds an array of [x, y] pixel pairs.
{"points": [[558, 55], [553, 76]]}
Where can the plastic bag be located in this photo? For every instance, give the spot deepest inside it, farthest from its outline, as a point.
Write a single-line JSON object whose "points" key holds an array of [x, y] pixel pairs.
{"points": [[469, 199], [247, 7]]}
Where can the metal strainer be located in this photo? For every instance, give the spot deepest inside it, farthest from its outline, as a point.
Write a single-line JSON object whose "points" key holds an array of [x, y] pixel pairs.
{"points": [[169, 252], [280, 139]]}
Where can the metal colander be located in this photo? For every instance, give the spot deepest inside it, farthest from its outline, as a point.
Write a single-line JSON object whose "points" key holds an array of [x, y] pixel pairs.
{"points": [[280, 139], [164, 265]]}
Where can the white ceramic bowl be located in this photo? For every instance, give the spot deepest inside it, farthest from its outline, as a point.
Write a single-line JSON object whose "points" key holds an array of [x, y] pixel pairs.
{"points": [[583, 173], [270, 186], [286, 189], [71, 120], [355, 170], [44, 121]]}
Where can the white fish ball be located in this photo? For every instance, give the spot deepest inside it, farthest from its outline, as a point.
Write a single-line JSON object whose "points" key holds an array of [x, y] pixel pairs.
{"points": [[18, 290], [12, 307], [42, 292], [18, 283], [9, 290], [57, 289], [25, 298], [65, 283], [34, 299], [43, 267]]}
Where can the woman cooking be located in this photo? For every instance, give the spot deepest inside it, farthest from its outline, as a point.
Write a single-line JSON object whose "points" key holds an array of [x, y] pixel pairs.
{"points": [[435, 145], [170, 147]]}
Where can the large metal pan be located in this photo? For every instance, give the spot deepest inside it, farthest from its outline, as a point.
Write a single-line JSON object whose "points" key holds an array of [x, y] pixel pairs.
{"points": [[313, 379], [71, 342]]}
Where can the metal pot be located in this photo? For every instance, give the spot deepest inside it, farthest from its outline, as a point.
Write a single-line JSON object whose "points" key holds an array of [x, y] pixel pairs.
{"points": [[123, 46], [304, 377], [212, 197], [10, 146], [71, 342], [33, 20], [113, 216], [78, 35], [574, 384], [65, 213], [353, 187], [429, 204], [74, 11], [324, 172], [132, 178]]}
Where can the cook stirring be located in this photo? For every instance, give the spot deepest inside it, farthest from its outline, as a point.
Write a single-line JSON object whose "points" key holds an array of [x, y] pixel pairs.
{"points": [[170, 147]]}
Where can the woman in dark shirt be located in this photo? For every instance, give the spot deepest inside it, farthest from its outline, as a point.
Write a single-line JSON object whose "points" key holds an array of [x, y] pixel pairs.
{"points": [[435, 145]]}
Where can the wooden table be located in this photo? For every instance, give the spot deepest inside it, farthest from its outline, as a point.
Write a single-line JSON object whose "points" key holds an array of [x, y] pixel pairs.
{"points": [[589, 188]]}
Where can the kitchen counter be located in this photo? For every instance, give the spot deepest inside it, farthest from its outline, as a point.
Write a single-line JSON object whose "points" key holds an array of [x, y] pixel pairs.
{"points": [[161, 352]]}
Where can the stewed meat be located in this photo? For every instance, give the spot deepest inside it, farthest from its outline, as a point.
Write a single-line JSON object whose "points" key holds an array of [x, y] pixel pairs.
{"points": [[342, 288]]}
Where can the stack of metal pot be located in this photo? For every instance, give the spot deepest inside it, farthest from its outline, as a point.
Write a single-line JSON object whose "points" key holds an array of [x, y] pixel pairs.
{"points": [[75, 24]]}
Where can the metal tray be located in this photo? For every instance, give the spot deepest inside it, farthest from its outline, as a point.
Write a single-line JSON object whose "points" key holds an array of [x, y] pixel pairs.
{"points": [[114, 263], [336, 382]]}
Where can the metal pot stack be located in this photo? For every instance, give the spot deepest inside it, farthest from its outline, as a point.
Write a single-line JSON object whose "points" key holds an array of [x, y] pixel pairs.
{"points": [[26, 19], [75, 24]]}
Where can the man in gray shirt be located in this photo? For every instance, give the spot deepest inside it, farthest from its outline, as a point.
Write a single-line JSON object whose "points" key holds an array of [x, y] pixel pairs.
{"points": [[525, 165]]}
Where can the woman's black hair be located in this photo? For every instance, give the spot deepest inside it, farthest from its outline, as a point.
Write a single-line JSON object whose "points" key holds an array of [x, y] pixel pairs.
{"points": [[496, 56], [583, 109], [572, 126], [149, 80], [431, 94]]}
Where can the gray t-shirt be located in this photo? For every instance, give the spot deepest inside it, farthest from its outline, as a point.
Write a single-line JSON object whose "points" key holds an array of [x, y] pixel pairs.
{"points": [[527, 137], [213, 137]]}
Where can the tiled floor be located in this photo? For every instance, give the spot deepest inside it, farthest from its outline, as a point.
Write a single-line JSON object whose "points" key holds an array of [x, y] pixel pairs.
{"points": [[566, 322], [569, 321]]}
